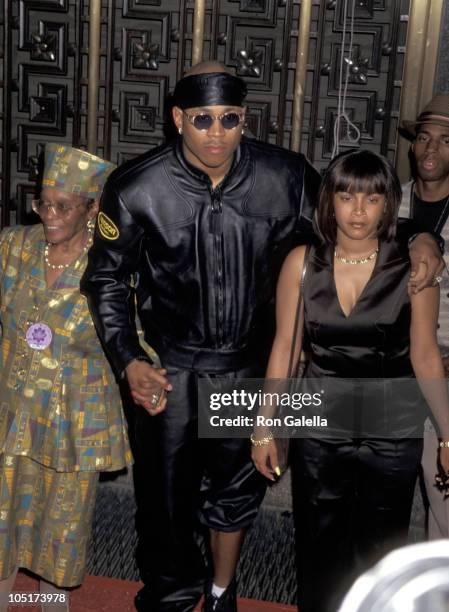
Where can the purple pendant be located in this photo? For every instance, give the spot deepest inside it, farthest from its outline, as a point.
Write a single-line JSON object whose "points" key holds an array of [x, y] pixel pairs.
{"points": [[38, 336]]}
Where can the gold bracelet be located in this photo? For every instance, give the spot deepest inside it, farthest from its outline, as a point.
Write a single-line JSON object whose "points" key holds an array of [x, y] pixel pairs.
{"points": [[261, 441], [444, 444]]}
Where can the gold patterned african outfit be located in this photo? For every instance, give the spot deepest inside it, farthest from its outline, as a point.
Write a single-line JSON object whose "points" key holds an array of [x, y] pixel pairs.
{"points": [[61, 420]]}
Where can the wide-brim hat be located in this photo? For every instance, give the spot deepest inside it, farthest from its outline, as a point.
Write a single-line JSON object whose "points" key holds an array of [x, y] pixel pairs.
{"points": [[436, 112], [75, 171]]}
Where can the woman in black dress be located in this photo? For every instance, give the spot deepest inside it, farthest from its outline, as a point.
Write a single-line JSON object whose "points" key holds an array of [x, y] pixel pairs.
{"points": [[353, 493]]}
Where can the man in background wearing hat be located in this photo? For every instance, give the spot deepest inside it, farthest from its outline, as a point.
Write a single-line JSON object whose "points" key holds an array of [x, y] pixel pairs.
{"points": [[426, 199], [203, 224]]}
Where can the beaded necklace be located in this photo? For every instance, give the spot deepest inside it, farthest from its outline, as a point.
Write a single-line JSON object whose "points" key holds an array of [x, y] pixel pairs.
{"points": [[67, 265], [355, 261]]}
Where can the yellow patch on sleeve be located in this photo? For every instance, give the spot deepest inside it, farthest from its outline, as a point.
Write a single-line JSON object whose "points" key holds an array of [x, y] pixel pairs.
{"points": [[107, 227]]}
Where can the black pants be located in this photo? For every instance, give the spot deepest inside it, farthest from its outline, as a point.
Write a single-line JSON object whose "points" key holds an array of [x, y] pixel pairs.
{"points": [[352, 501], [181, 480]]}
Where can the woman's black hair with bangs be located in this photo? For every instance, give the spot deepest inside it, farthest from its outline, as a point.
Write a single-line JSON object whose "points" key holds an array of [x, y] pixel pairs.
{"points": [[358, 172]]}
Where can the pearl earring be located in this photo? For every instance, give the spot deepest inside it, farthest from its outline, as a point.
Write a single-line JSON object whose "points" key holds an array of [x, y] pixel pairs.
{"points": [[180, 131]]}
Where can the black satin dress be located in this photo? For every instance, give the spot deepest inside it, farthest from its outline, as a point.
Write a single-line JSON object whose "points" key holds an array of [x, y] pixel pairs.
{"points": [[353, 495]]}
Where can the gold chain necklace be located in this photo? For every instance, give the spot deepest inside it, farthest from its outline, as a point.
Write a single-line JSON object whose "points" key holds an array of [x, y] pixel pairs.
{"points": [[359, 260], [67, 265]]}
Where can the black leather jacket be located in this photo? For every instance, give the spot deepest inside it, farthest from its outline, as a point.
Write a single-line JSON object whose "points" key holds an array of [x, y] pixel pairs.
{"points": [[202, 262]]}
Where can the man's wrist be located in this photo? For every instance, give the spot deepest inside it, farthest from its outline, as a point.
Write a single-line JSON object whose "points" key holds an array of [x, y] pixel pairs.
{"points": [[138, 358], [436, 237]]}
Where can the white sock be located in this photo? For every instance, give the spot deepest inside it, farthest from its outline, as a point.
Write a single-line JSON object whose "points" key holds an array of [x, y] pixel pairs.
{"points": [[217, 591]]}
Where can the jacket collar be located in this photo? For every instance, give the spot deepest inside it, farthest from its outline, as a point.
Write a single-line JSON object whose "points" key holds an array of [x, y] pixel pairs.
{"points": [[198, 174]]}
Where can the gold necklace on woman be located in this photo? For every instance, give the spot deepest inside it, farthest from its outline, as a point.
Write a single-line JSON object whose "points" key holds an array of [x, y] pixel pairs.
{"points": [[67, 265], [354, 261]]}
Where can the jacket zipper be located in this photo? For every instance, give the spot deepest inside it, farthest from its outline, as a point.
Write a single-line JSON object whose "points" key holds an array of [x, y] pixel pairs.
{"points": [[216, 229]]}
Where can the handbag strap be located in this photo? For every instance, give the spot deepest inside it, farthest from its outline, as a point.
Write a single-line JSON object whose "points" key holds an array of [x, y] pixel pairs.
{"points": [[298, 312]]}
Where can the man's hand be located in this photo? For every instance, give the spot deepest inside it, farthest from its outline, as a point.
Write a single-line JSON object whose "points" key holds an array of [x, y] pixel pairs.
{"points": [[427, 263], [148, 386]]}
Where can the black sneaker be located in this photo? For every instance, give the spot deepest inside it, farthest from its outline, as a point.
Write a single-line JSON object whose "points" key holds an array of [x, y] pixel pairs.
{"points": [[227, 602], [143, 601]]}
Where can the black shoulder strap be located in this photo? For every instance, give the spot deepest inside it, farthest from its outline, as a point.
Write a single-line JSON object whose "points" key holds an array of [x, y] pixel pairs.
{"points": [[292, 368]]}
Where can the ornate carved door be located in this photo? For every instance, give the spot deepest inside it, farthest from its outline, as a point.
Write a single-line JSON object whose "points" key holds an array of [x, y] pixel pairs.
{"points": [[96, 74]]}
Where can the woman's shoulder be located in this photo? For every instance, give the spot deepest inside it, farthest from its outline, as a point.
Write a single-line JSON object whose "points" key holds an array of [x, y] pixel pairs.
{"points": [[294, 263], [10, 239], [299, 254], [394, 248], [9, 234], [19, 242], [19, 233], [295, 258]]}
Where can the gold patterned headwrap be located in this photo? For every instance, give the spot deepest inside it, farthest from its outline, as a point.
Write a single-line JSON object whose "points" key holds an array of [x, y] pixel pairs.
{"points": [[75, 171]]}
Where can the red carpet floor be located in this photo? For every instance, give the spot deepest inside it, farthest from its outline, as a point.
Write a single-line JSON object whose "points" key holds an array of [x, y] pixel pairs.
{"points": [[100, 594]]}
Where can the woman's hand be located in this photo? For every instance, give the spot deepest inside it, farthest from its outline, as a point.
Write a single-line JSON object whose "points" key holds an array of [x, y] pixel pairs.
{"points": [[265, 459], [442, 477]]}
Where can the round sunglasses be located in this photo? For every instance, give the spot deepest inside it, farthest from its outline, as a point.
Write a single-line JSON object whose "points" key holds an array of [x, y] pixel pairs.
{"points": [[204, 121]]}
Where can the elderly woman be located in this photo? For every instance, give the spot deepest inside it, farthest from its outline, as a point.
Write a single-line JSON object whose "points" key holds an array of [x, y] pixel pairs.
{"points": [[61, 420]]}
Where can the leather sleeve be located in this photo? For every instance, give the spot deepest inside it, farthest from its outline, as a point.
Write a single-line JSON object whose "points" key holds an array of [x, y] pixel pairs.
{"points": [[107, 281], [311, 181]]}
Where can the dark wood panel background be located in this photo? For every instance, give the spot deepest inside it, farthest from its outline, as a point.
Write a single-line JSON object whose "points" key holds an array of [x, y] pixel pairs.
{"points": [[145, 47]]}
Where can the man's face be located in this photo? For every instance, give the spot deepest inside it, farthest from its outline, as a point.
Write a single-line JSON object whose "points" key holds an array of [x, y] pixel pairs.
{"points": [[431, 149], [211, 148]]}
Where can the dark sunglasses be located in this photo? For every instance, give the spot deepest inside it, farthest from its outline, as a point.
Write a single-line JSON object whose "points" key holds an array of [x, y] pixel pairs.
{"points": [[204, 121]]}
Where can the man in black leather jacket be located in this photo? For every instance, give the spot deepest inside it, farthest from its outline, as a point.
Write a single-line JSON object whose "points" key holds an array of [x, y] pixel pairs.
{"points": [[201, 225]]}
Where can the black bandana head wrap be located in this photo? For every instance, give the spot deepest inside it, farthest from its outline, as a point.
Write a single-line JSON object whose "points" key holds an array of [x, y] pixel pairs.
{"points": [[210, 89]]}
